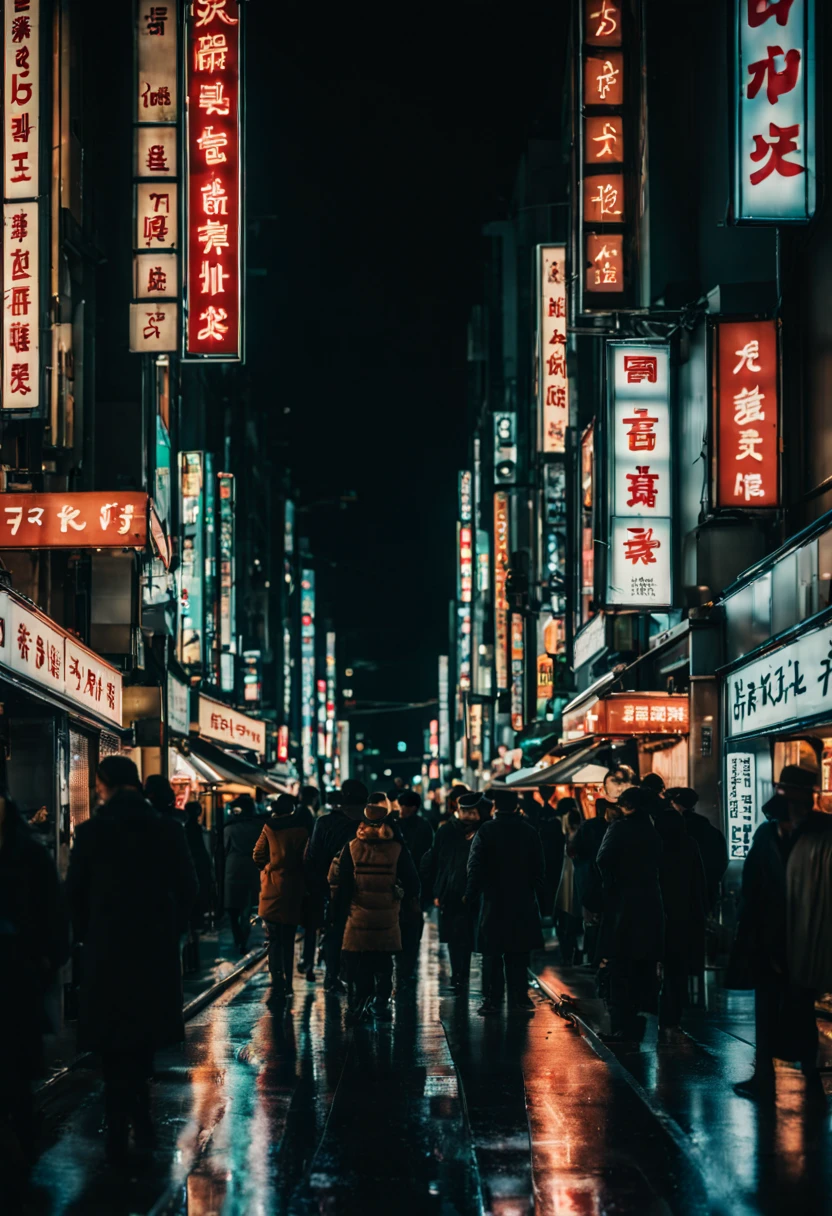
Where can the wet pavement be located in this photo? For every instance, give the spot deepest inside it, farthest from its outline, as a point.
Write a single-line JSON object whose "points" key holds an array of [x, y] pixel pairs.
{"points": [[274, 1109]]}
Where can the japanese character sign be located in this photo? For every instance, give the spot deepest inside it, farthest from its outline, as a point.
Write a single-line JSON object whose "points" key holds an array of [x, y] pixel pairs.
{"points": [[790, 684], [156, 27], [218, 721], [156, 152], [214, 284], [602, 22], [154, 326], [640, 482], [774, 170], [747, 415], [75, 520], [21, 307], [605, 262], [553, 385], [604, 140], [604, 79], [604, 199], [741, 809], [21, 99]]}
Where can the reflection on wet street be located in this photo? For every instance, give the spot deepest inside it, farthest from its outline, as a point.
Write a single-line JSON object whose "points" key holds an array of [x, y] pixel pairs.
{"points": [[274, 1109]]}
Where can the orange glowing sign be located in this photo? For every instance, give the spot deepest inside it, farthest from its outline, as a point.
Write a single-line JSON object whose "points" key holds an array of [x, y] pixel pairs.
{"points": [[604, 140], [602, 23], [501, 557], [83, 520], [630, 714], [604, 79]]}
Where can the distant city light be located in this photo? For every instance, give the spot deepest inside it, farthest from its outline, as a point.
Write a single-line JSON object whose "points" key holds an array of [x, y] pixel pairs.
{"points": [[388, 772], [401, 745]]}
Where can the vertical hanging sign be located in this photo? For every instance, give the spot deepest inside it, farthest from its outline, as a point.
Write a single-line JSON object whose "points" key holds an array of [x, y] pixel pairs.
{"points": [[154, 311], [501, 560], [774, 143], [747, 415], [228, 616], [21, 277], [553, 387], [639, 571], [518, 672], [214, 193], [465, 579], [307, 668]]}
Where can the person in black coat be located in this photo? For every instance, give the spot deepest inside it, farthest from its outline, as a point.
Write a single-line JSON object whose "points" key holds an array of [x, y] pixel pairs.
{"points": [[195, 837], [131, 886], [330, 834], [309, 804], [584, 852], [444, 874], [241, 882], [550, 827], [786, 1025], [632, 929], [34, 944], [506, 872], [684, 897], [417, 834], [712, 846]]}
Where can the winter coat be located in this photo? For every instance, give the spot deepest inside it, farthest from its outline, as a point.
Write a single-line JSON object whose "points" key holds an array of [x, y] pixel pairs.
{"points": [[809, 906], [567, 899], [584, 851], [307, 817], [242, 879], [131, 886], [633, 917], [550, 828], [279, 856], [330, 834], [34, 943], [417, 834], [684, 895], [195, 837], [506, 873], [373, 875], [712, 849], [444, 871]]}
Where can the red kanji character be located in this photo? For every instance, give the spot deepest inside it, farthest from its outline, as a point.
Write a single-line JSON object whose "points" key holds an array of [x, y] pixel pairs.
{"points": [[111, 695], [54, 661], [154, 320], [642, 488], [21, 89], [156, 19], [21, 168], [19, 379], [556, 364], [19, 337], [557, 307], [640, 547], [155, 228], [21, 58], [21, 129], [783, 141], [641, 367], [557, 339], [20, 226], [40, 652], [556, 395], [23, 639], [20, 301], [157, 160], [641, 437], [20, 264], [76, 670], [759, 11], [89, 687], [21, 29], [157, 279], [778, 82]]}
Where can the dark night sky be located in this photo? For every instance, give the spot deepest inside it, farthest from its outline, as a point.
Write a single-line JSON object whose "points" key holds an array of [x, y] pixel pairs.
{"points": [[380, 139]]}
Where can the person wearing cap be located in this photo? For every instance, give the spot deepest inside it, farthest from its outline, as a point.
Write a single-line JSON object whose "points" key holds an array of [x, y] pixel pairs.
{"points": [[330, 834], [372, 876], [444, 874], [784, 1011], [505, 878], [712, 846], [279, 856]]}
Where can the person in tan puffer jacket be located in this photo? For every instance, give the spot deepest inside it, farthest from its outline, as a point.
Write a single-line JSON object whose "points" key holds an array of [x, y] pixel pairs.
{"points": [[369, 880], [279, 854]]}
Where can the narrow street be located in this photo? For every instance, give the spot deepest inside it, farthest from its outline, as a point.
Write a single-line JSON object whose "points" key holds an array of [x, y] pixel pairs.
{"points": [[270, 1110]]}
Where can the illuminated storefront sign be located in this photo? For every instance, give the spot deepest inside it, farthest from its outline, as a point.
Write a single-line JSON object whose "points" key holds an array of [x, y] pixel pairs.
{"points": [[553, 386], [444, 717], [518, 672], [228, 640], [21, 219], [740, 798], [214, 183], [639, 564], [747, 415], [501, 560], [330, 695], [85, 520], [587, 522], [282, 744], [774, 154], [154, 312], [33, 646], [321, 708], [792, 683], [178, 706], [227, 725], [630, 714], [252, 668], [307, 670], [192, 576]]}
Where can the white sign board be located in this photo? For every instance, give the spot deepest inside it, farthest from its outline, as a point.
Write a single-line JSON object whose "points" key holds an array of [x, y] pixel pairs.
{"points": [[740, 796], [21, 98], [791, 683], [179, 706], [21, 307], [229, 726]]}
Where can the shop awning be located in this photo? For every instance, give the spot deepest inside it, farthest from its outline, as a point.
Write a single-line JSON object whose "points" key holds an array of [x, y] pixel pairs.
{"points": [[522, 775], [219, 767], [586, 763]]}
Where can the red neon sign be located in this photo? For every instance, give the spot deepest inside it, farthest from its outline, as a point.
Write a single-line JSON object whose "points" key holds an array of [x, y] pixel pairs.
{"points": [[214, 272], [748, 415]]}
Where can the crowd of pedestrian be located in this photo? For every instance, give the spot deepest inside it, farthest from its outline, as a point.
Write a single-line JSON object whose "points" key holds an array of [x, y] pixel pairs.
{"points": [[627, 893]]}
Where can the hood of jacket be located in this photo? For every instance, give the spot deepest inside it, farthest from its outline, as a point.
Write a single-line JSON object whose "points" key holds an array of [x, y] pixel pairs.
{"points": [[375, 831], [279, 822]]}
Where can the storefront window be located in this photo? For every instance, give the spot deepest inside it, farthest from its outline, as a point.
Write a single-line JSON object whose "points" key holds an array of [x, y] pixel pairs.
{"points": [[79, 779], [825, 570], [785, 594]]}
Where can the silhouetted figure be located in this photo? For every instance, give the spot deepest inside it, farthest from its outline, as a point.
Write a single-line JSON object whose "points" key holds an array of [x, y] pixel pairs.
{"points": [[241, 882], [417, 834], [279, 855], [444, 874]]}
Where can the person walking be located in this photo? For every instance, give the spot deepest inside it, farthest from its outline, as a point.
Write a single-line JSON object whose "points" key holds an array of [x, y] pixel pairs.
{"points": [[330, 834], [241, 881], [279, 856], [711, 842], [34, 944], [584, 851], [417, 835], [309, 805], [784, 1011], [204, 902], [568, 919], [444, 875], [684, 898], [131, 885], [372, 876], [632, 930], [550, 827], [160, 794], [506, 872]]}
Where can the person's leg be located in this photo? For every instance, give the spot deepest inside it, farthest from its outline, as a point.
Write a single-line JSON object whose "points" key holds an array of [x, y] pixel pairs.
{"points": [[116, 1071], [768, 1005], [273, 933], [234, 920], [806, 1025], [307, 958], [287, 933], [333, 936], [517, 979], [383, 973], [623, 1007], [673, 992]]}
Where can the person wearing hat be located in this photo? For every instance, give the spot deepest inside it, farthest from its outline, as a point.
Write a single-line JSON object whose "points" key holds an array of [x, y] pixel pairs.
{"points": [[330, 834], [444, 874], [372, 876], [712, 846], [784, 1012], [279, 856], [505, 880]]}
